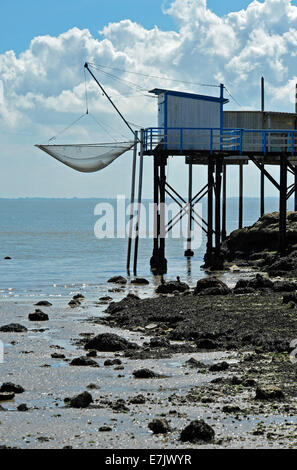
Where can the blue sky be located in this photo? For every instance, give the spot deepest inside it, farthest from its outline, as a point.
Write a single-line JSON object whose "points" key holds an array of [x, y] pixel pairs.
{"points": [[21, 20], [44, 44]]}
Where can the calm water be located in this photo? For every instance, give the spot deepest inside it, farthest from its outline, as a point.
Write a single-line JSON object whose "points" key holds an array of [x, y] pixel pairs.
{"points": [[54, 249]]}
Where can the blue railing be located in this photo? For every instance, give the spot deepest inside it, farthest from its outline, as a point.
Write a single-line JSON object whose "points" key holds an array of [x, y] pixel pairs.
{"points": [[212, 138]]}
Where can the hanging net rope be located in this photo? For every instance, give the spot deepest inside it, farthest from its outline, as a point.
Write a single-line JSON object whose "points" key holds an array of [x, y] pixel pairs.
{"points": [[87, 158]]}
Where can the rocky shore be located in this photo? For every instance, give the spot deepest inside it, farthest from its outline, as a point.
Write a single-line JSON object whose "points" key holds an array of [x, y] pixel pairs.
{"points": [[206, 365], [257, 246]]}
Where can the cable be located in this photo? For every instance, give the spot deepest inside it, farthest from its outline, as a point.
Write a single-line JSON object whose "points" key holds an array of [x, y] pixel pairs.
{"points": [[154, 76], [232, 96], [68, 127]]}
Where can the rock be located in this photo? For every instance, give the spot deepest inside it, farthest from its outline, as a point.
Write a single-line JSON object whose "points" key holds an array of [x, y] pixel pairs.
{"points": [[78, 296], [231, 409], [120, 406], [249, 383], [209, 283], [4, 396], [105, 429], [138, 400], [244, 290], [259, 282], [109, 342], [205, 343], [22, 407], [43, 303], [197, 430], [140, 281], [58, 356], [269, 392], [289, 298], [81, 401], [281, 266], [74, 303], [145, 374], [118, 280], [215, 291], [284, 286], [171, 286], [157, 343], [192, 362], [91, 353], [159, 426], [38, 315], [106, 298], [220, 366], [83, 361], [112, 362], [263, 235], [93, 386], [13, 328], [11, 387]]}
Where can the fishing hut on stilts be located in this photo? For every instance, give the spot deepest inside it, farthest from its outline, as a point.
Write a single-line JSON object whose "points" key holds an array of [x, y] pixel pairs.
{"points": [[196, 127]]}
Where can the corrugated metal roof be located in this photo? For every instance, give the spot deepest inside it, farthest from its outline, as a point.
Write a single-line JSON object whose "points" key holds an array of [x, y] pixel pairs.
{"points": [[260, 112], [158, 91]]}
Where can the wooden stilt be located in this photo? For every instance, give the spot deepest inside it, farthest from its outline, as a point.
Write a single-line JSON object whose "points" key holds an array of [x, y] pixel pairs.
{"points": [[162, 181], [189, 252], [209, 247], [282, 203], [240, 215], [139, 202], [262, 190], [295, 192], [224, 209], [218, 207], [132, 201]]}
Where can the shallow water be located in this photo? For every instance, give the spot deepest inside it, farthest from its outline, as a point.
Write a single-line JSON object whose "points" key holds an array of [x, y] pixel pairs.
{"points": [[55, 253]]}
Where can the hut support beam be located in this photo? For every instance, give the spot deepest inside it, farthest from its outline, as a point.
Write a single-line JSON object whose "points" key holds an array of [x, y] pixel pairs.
{"points": [[240, 214], [224, 209], [189, 253], [283, 203]]}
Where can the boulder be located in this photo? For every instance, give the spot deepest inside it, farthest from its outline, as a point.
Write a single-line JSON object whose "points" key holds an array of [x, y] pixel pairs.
{"points": [[118, 280], [83, 361], [212, 285], [11, 387], [109, 342], [159, 426], [284, 286], [38, 315], [22, 407], [172, 286], [43, 303], [197, 430], [269, 392], [5, 396], [140, 281], [13, 328], [219, 367], [205, 343], [145, 374], [81, 401]]}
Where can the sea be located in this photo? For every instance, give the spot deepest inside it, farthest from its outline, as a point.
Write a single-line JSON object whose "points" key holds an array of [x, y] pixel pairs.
{"points": [[55, 252]]}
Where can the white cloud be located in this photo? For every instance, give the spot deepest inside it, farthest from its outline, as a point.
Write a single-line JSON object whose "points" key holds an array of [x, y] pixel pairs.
{"points": [[44, 86]]}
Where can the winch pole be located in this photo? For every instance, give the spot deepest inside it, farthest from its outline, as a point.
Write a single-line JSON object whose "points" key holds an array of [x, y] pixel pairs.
{"points": [[111, 102]]}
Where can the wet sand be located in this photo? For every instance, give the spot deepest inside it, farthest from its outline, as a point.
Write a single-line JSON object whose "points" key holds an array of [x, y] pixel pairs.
{"points": [[187, 393]]}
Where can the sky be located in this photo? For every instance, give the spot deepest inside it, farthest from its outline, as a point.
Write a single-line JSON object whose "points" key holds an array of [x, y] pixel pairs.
{"points": [[44, 44]]}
